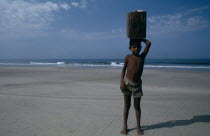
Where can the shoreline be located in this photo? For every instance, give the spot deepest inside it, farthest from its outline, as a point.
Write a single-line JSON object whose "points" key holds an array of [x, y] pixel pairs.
{"points": [[109, 67], [176, 64]]}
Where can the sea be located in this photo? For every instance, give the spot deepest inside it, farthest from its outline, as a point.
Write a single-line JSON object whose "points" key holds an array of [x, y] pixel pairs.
{"points": [[176, 64]]}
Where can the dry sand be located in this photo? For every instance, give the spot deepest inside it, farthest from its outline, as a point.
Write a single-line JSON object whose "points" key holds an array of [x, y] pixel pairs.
{"points": [[64, 101]]}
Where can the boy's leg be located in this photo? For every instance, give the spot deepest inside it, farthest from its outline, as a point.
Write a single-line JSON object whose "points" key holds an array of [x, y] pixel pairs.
{"points": [[127, 105], [138, 114]]}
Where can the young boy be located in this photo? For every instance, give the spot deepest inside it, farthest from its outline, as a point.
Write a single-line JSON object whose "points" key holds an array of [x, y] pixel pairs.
{"points": [[131, 83]]}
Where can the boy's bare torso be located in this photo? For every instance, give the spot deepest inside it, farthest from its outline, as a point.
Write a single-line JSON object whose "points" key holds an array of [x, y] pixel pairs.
{"points": [[135, 64]]}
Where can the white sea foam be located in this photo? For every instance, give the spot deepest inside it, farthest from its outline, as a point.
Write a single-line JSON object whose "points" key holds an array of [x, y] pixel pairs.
{"points": [[107, 65], [47, 63], [117, 64], [112, 64], [165, 66], [61, 62], [87, 65], [159, 66]]}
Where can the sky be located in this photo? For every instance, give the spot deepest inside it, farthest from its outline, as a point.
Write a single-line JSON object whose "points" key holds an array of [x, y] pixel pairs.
{"points": [[96, 29]]}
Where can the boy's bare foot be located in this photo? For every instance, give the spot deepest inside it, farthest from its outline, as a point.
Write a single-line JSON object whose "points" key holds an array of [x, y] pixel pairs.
{"points": [[139, 131], [124, 131]]}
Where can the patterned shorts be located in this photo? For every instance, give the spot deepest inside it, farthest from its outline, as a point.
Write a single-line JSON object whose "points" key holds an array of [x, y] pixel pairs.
{"points": [[133, 88]]}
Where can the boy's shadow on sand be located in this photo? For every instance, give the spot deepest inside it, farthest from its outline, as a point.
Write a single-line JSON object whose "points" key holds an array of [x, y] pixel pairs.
{"points": [[174, 123]]}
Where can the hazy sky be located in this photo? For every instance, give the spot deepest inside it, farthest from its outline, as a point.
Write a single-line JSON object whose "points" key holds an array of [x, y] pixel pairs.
{"points": [[97, 28]]}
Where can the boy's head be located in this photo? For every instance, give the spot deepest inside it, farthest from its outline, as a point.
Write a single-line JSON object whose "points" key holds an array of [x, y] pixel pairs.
{"points": [[135, 45], [134, 42]]}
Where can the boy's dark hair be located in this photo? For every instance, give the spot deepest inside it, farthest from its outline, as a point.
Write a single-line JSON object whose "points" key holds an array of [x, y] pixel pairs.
{"points": [[134, 41]]}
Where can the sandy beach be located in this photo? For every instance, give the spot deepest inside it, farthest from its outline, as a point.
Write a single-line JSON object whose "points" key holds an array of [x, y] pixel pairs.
{"points": [[66, 101]]}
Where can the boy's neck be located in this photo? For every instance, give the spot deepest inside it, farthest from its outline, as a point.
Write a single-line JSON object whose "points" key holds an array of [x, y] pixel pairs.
{"points": [[136, 54]]}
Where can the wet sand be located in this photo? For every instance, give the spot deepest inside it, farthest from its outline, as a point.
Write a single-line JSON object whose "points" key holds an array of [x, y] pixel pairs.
{"points": [[64, 101]]}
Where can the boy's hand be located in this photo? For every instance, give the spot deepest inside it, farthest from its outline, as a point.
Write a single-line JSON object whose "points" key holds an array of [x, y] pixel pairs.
{"points": [[122, 86], [147, 42]]}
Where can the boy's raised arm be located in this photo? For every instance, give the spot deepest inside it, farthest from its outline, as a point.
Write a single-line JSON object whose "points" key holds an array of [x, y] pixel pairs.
{"points": [[146, 49]]}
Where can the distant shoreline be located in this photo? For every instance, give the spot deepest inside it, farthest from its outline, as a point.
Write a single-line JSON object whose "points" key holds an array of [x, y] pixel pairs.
{"points": [[176, 64]]}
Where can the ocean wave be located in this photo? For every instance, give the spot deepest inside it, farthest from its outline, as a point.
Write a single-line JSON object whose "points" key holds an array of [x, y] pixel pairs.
{"points": [[112, 64], [103, 64], [176, 66], [116, 64], [119, 65], [87, 65], [48, 63], [165, 66]]}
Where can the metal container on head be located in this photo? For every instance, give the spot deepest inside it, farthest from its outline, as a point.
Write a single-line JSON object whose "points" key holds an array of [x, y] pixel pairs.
{"points": [[136, 24]]}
